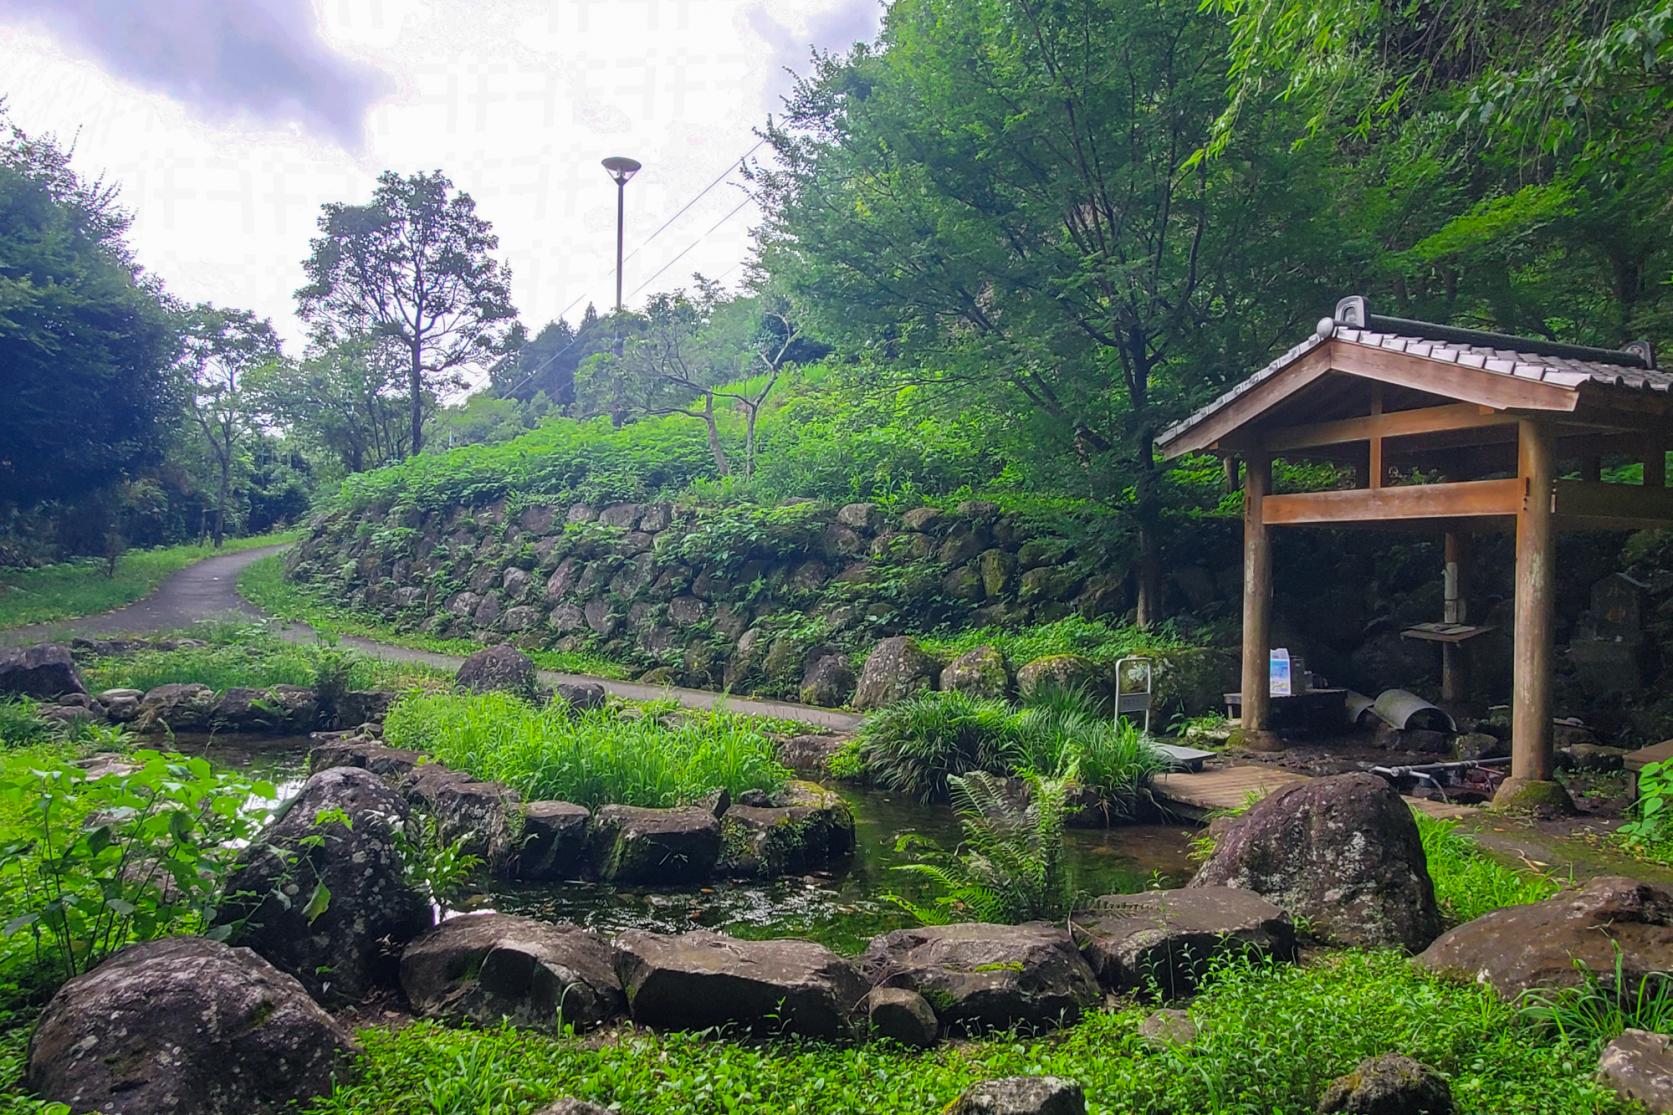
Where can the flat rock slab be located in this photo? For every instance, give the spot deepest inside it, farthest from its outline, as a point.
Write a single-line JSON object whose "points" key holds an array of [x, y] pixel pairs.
{"points": [[1166, 940], [184, 1025], [553, 844], [978, 975], [1639, 1065], [492, 967], [667, 846], [1538, 945], [695, 980]]}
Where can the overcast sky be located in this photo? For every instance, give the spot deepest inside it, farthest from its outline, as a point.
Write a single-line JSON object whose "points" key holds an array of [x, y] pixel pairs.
{"points": [[227, 123]]}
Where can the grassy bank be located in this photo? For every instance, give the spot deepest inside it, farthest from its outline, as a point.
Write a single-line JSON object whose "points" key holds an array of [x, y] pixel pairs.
{"points": [[81, 588], [263, 584]]}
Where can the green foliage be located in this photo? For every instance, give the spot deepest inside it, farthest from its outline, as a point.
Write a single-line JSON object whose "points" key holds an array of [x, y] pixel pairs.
{"points": [[20, 724], [439, 869], [1089, 638], [1650, 830], [80, 588], [1468, 881], [92, 863], [1594, 1012], [1009, 867], [1271, 1037], [657, 758], [244, 655]]}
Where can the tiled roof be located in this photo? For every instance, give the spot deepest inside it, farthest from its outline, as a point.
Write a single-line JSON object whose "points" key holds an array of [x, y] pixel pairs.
{"points": [[1561, 371]]}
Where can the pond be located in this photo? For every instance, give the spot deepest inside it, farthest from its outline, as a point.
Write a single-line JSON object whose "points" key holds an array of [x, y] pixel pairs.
{"points": [[842, 911]]}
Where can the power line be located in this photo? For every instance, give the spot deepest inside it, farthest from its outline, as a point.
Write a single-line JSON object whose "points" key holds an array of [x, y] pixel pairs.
{"points": [[692, 245], [730, 167]]}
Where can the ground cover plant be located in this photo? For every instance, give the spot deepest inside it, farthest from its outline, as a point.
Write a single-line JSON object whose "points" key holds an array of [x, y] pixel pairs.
{"points": [[1271, 1037], [252, 656], [1468, 881], [917, 745], [263, 584], [651, 756], [89, 586]]}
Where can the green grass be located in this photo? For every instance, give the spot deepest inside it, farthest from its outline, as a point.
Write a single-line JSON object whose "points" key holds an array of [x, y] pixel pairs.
{"points": [[248, 655], [263, 584], [1271, 1038], [80, 588], [653, 757], [1468, 881], [1089, 638]]}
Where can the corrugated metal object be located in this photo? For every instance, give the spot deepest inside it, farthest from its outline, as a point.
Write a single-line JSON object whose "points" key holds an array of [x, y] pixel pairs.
{"points": [[1399, 708]]}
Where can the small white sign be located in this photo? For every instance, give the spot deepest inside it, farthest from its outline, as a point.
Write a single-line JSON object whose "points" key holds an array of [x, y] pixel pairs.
{"points": [[1281, 672]]}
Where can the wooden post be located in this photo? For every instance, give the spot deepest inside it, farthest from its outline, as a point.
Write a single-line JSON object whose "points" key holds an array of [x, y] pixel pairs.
{"points": [[1375, 447], [1257, 606], [1591, 468], [1534, 655], [1655, 464], [1455, 677]]}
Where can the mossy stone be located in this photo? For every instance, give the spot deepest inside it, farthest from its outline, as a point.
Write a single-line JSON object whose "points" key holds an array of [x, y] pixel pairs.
{"points": [[1540, 797]]}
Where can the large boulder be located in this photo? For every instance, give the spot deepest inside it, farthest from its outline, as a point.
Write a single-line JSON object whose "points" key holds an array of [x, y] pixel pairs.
{"points": [[335, 842], [333, 749], [1342, 852], [978, 975], [694, 980], [1538, 945], [43, 671], [284, 708], [1639, 1065], [895, 669], [497, 668], [980, 672], [485, 818], [492, 967], [828, 682], [1062, 673], [1021, 1095], [553, 844], [185, 1025], [178, 707], [580, 696], [631, 844], [1392, 1084], [1167, 940], [814, 828]]}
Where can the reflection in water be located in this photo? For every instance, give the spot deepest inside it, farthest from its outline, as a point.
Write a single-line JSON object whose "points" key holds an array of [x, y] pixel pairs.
{"points": [[842, 910]]}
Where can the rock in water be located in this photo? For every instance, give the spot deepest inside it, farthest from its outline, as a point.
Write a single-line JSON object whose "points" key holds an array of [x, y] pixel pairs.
{"points": [[631, 844], [184, 1025], [1388, 1085], [895, 669], [1167, 940], [979, 975], [497, 668], [488, 967], [1342, 852], [44, 671], [343, 950], [1021, 1095], [695, 980], [1538, 945], [1639, 1065]]}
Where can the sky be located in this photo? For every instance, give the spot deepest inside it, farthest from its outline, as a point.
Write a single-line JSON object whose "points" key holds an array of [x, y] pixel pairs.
{"points": [[226, 125]]}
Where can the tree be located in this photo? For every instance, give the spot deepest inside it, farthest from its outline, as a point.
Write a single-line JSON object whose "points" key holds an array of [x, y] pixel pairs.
{"points": [[992, 201], [348, 398], [86, 340], [412, 266], [222, 349]]}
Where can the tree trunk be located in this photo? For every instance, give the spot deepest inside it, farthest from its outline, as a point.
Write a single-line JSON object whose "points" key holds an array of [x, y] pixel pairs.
{"points": [[750, 411], [221, 500], [1148, 505], [415, 380], [714, 435]]}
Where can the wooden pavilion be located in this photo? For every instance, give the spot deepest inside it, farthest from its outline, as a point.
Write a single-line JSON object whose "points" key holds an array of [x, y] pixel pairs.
{"points": [[1450, 430]]}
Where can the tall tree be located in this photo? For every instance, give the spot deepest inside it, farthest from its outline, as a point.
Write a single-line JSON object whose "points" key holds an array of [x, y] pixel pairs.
{"points": [[222, 349], [86, 340], [993, 199], [348, 398], [412, 266]]}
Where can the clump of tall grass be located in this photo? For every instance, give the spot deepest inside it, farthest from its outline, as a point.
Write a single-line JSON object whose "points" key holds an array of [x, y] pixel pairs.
{"points": [[1598, 1009], [919, 745], [592, 758], [1468, 881]]}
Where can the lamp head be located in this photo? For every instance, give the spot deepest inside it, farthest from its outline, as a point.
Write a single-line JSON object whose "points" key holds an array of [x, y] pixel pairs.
{"points": [[621, 168]]}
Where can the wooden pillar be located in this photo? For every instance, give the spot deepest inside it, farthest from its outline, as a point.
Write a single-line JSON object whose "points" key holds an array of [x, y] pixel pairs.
{"points": [[1455, 676], [1374, 455], [1655, 464], [1534, 655], [1257, 606]]}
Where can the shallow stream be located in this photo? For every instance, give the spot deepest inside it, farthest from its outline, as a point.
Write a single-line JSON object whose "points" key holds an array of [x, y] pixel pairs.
{"points": [[842, 910]]}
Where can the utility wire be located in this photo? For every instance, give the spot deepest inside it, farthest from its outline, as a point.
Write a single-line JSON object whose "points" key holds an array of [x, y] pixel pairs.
{"points": [[730, 167], [693, 244]]}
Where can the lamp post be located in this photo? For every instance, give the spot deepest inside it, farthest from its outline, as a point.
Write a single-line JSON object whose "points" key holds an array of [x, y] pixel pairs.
{"points": [[620, 168]]}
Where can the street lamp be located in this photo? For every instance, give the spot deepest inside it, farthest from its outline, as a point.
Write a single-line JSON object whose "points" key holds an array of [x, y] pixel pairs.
{"points": [[620, 168]]}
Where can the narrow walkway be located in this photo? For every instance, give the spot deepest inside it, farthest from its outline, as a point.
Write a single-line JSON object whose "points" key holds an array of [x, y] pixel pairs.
{"points": [[1195, 795]]}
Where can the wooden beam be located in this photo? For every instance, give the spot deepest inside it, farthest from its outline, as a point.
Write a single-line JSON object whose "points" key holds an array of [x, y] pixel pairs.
{"points": [[1655, 463], [1465, 499], [1593, 505], [1257, 605], [1391, 424], [1451, 380], [1533, 655], [1255, 400]]}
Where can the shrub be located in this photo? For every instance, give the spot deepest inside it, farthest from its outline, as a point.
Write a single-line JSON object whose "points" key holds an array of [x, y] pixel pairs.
{"points": [[660, 758], [92, 863], [20, 723], [914, 746]]}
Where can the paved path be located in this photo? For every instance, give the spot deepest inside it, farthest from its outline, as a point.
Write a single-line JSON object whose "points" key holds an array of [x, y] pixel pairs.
{"points": [[207, 589]]}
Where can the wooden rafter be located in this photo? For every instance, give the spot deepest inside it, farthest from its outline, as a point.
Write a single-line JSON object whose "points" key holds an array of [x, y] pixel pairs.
{"points": [[1461, 500]]}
